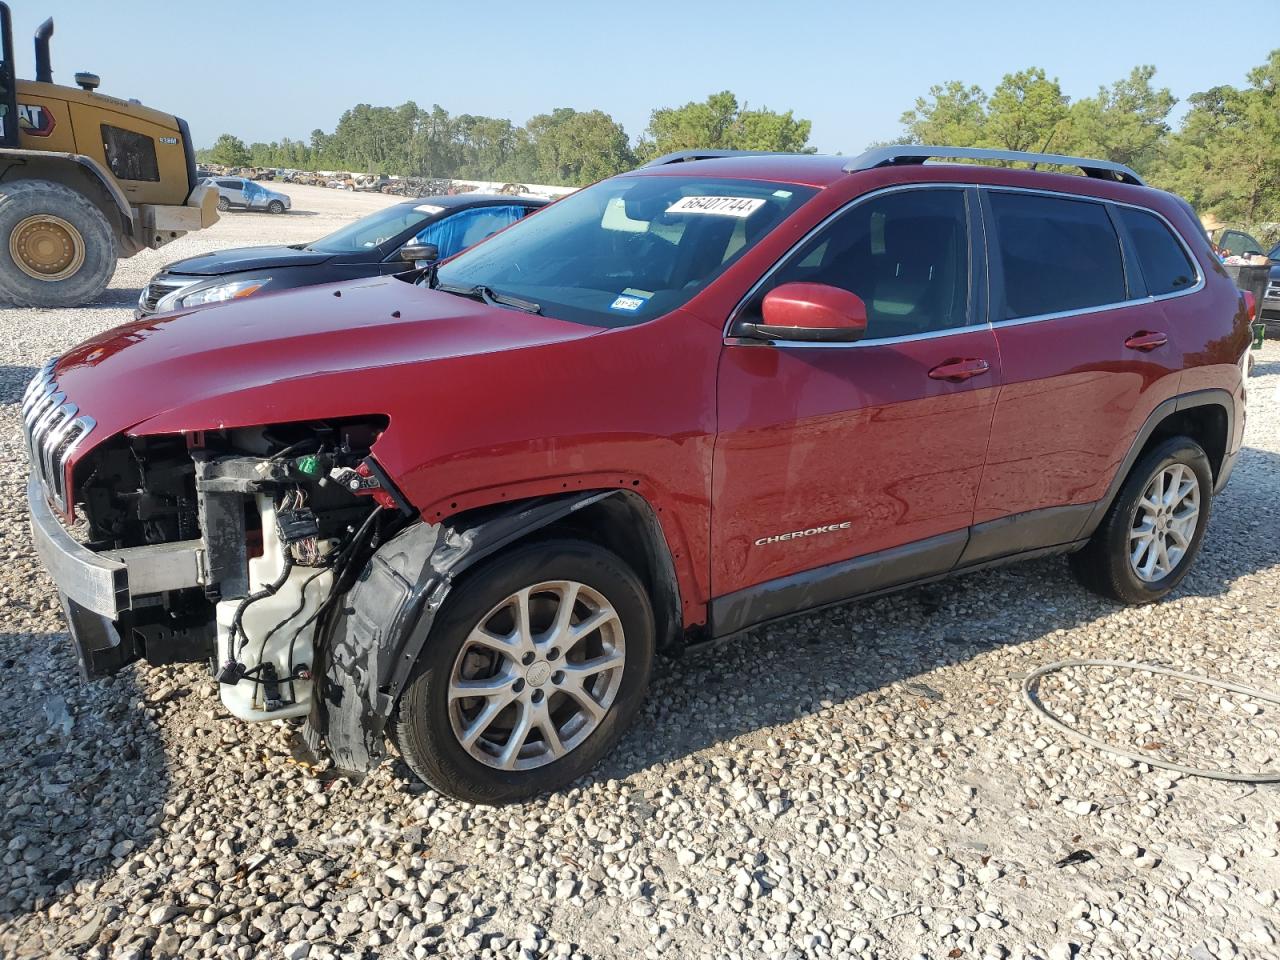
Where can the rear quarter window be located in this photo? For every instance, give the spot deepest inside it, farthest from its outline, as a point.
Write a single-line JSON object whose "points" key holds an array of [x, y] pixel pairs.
{"points": [[1056, 255], [1164, 262]]}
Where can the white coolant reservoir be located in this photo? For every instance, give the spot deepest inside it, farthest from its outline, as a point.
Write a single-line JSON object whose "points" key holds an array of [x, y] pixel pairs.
{"points": [[288, 609]]}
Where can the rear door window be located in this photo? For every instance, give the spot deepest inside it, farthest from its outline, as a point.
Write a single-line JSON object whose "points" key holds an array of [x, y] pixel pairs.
{"points": [[1164, 262], [1056, 255]]}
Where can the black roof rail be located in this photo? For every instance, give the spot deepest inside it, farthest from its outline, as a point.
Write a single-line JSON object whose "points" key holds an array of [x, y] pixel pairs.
{"points": [[682, 156], [915, 154]]}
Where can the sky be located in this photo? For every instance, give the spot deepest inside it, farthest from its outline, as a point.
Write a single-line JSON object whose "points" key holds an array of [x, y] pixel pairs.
{"points": [[267, 70]]}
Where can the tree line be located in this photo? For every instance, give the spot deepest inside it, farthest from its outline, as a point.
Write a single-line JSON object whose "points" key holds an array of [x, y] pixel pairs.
{"points": [[566, 146], [1223, 156]]}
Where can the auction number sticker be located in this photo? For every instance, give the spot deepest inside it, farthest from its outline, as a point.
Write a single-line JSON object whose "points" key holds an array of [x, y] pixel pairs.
{"points": [[740, 207], [428, 208]]}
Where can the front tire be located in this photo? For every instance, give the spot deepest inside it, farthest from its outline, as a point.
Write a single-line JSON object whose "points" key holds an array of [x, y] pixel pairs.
{"points": [[275, 206], [56, 247], [1151, 534], [535, 667]]}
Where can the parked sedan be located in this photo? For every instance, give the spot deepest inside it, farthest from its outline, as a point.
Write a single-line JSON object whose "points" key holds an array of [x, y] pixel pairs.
{"points": [[241, 193], [369, 247]]}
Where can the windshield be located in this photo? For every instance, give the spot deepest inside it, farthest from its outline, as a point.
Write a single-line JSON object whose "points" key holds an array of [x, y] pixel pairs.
{"points": [[376, 229], [627, 249]]}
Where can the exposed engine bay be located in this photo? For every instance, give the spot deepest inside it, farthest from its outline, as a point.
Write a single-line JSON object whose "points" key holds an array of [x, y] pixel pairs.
{"points": [[279, 521]]}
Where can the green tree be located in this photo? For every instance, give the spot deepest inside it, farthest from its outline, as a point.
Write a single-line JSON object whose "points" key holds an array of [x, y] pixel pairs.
{"points": [[1127, 122], [572, 147], [229, 151], [951, 114], [1226, 157], [1025, 112], [719, 123]]}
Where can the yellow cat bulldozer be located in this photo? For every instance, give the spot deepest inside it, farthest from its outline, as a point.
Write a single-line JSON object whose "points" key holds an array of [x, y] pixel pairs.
{"points": [[85, 179]]}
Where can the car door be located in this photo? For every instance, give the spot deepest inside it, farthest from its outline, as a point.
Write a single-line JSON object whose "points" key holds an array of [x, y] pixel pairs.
{"points": [[844, 468], [1086, 357], [233, 190]]}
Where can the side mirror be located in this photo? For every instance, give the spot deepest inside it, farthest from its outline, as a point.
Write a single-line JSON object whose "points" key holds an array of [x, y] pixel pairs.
{"points": [[419, 253], [814, 312]]}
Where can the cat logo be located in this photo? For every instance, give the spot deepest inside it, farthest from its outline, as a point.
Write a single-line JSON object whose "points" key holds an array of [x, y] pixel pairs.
{"points": [[34, 120]]}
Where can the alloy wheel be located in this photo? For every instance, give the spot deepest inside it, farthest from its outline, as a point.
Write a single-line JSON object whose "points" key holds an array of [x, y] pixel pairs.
{"points": [[1164, 523], [537, 675]]}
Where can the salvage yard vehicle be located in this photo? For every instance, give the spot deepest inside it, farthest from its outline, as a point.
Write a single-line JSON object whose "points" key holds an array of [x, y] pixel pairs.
{"points": [[241, 193], [371, 246], [676, 405], [85, 179]]}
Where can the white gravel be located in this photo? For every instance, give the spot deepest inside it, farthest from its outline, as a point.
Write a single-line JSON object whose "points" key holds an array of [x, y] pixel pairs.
{"points": [[864, 782]]}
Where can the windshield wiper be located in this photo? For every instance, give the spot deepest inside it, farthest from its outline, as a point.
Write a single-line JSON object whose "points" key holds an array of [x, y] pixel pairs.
{"points": [[488, 296]]}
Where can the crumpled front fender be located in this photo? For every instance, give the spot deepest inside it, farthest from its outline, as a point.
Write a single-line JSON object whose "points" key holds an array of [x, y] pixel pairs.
{"points": [[366, 657]]}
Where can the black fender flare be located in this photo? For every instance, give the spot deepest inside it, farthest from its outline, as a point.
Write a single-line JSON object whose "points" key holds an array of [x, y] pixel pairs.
{"points": [[1214, 396], [368, 648]]}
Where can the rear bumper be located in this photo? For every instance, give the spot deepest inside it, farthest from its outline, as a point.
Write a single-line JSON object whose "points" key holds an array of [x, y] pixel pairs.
{"points": [[98, 589]]}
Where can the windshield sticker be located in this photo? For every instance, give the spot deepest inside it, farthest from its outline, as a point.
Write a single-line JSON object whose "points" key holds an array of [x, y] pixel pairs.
{"points": [[428, 208], [782, 194], [740, 207], [629, 301]]}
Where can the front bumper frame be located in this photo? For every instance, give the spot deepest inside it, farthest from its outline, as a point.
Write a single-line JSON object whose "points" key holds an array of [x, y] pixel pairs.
{"points": [[97, 590]]}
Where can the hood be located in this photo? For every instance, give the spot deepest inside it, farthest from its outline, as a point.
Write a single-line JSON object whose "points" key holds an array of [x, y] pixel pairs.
{"points": [[247, 258], [349, 349]]}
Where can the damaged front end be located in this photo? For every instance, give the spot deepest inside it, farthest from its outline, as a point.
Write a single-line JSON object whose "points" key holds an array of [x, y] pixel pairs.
{"points": [[227, 547]]}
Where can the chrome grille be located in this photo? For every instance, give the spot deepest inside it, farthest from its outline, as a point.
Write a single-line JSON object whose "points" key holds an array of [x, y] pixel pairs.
{"points": [[54, 427], [159, 287]]}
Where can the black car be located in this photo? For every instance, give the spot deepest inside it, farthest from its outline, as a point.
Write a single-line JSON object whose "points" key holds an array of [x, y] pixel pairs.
{"points": [[370, 247]]}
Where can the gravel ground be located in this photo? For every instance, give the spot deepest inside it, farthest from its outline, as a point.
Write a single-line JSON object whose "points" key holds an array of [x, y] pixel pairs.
{"points": [[864, 782]]}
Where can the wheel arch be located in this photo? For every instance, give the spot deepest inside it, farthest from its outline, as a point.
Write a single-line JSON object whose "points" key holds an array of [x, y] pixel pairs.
{"points": [[1206, 416], [77, 172], [369, 647]]}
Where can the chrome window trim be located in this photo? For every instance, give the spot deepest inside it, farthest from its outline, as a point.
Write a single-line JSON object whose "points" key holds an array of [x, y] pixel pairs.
{"points": [[732, 340], [1104, 307]]}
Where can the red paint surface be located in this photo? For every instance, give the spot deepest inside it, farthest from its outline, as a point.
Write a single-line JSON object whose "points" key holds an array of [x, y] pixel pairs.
{"points": [[488, 405]]}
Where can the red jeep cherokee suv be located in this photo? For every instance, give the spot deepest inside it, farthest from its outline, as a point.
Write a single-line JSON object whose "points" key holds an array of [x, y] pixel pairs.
{"points": [[680, 403]]}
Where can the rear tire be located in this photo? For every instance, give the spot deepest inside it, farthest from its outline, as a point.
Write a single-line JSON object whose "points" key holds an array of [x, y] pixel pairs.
{"points": [[56, 247], [1122, 561], [538, 682], [224, 204]]}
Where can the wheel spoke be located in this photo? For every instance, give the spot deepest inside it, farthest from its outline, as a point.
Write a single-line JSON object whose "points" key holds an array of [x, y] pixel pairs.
{"points": [[524, 631], [519, 734], [550, 735], [564, 615], [507, 646], [491, 687], [580, 672], [585, 701], [591, 624], [1140, 551], [1144, 530], [481, 723]]}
